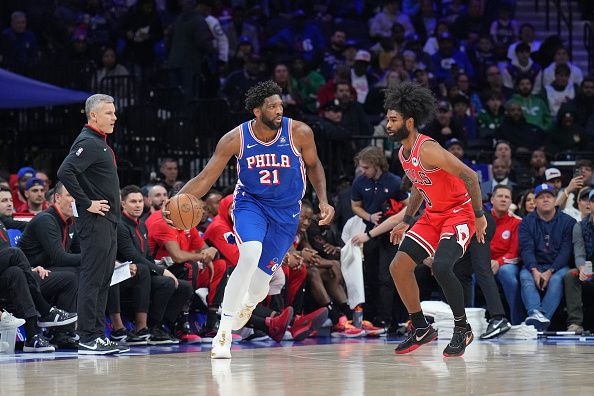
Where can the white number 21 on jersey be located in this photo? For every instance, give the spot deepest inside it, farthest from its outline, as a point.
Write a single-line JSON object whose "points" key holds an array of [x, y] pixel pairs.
{"points": [[266, 176]]}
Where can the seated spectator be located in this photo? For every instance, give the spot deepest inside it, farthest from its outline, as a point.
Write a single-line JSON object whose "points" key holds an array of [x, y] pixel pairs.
{"points": [[159, 297], [211, 209], [517, 131], [534, 108], [425, 20], [18, 45], [193, 261], [449, 61], [481, 55], [18, 190], [567, 134], [380, 25], [301, 38], [504, 29], [505, 251], [290, 97], [501, 177], [582, 106], [307, 80], [386, 49], [432, 44], [239, 29], [577, 279], [466, 90], [333, 54], [581, 207], [240, 81], [472, 24], [443, 127], [110, 68], [554, 179], [374, 102], [35, 196], [545, 246], [503, 150], [561, 58], [463, 116], [568, 196], [490, 118], [560, 90], [354, 118], [361, 78], [494, 83], [526, 204], [538, 165], [455, 147], [521, 66], [169, 172], [526, 36]]}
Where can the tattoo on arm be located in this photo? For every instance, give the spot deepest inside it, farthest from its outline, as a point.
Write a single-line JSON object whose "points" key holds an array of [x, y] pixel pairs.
{"points": [[472, 186], [414, 202]]}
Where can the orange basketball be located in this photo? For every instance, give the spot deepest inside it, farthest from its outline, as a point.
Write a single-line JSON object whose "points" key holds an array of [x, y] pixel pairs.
{"points": [[185, 211]]}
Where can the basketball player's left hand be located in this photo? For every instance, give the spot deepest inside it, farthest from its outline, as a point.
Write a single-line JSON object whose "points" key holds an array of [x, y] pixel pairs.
{"points": [[165, 213], [326, 214], [481, 228]]}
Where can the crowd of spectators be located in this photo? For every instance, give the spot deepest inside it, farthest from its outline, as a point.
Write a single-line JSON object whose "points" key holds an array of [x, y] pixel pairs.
{"points": [[497, 87]]}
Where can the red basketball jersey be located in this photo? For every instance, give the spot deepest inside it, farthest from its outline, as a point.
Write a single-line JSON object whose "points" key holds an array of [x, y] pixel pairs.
{"points": [[441, 190]]}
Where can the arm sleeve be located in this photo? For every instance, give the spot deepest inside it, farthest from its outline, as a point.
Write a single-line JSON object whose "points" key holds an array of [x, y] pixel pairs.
{"points": [[48, 234], [564, 254], [527, 246], [579, 248], [128, 252], [76, 162]]}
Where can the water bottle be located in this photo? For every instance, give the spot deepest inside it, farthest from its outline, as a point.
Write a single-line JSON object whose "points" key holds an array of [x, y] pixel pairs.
{"points": [[358, 317]]}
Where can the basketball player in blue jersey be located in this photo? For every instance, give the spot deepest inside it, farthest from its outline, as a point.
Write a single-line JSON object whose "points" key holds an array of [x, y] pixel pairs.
{"points": [[273, 154]]}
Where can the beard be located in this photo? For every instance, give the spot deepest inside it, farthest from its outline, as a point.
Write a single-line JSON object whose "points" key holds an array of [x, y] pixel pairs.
{"points": [[400, 134], [270, 123]]}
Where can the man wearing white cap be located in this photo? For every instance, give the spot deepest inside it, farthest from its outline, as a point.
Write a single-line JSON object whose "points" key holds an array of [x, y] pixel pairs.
{"points": [[546, 249], [361, 80]]}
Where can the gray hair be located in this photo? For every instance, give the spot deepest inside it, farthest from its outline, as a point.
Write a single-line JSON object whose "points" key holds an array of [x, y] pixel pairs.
{"points": [[94, 101]]}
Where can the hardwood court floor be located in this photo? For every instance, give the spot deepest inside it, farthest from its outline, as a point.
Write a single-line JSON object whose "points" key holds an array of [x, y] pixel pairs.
{"points": [[315, 367]]}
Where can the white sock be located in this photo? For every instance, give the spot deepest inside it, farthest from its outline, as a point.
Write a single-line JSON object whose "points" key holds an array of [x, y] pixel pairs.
{"points": [[239, 282]]}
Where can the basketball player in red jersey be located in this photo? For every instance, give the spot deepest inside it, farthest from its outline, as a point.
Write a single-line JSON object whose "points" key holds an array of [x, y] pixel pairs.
{"points": [[453, 211]]}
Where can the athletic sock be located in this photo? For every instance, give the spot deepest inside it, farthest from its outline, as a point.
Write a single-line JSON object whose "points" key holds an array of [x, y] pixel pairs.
{"points": [[333, 313], [460, 322], [418, 320]]}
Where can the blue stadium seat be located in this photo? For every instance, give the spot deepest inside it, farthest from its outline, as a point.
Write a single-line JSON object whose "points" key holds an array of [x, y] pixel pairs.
{"points": [[14, 235]]}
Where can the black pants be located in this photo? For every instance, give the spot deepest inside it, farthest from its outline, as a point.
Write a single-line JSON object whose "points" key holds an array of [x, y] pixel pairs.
{"points": [[98, 242], [140, 288], [60, 288], [477, 260], [167, 302], [19, 285]]}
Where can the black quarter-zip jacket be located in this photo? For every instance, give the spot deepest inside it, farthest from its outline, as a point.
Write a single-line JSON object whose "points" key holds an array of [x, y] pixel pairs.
{"points": [[89, 172], [50, 240], [133, 243]]}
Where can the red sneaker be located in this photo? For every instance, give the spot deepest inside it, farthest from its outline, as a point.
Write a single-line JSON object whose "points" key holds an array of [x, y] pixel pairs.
{"points": [[187, 338], [278, 324], [305, 325], [371, 330], [344, 329]]}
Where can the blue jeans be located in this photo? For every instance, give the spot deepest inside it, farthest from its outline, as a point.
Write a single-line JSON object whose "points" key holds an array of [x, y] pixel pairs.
{"points": [[507, 276], [552, 296]]}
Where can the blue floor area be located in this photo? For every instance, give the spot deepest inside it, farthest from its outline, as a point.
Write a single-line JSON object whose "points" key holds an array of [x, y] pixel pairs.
{"points": [[19, 357]]}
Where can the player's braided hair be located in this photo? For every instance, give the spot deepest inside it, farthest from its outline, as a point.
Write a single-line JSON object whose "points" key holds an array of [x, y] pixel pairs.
{"points": [[255, 95], [412, 101]]}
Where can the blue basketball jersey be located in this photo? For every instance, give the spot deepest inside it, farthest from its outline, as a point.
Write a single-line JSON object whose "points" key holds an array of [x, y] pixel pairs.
{"points": [[273, 173]]}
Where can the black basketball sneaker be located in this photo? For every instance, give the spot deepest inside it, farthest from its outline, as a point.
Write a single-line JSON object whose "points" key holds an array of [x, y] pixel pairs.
{"points": [[461, 338], [416, 338]]}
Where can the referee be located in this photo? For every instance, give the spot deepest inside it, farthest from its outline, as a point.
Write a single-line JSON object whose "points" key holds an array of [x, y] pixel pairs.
{"points": [[89, 173]]}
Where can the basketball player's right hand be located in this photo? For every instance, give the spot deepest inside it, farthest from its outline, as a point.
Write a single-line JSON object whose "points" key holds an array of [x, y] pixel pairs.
{"points": [[99, 207], [166, 213], [481, 228], [397, 233]]}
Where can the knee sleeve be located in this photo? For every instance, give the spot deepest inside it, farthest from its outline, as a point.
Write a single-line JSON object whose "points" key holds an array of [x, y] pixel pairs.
{"points": [[414, 250], [446, 255], [259, 287]]}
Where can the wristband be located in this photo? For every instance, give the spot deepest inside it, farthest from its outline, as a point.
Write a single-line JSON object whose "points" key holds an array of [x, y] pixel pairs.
{"points": [[370, 218], [368, 234], [479, 213], [408, 219]]}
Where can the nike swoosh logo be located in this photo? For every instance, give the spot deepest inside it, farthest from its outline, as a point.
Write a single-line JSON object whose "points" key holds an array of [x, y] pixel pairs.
{"points": [[295, 215], [457, 210], [104, 149], [229, 316], [91, 348], [423, 336], [367, 189], [251, 145]]}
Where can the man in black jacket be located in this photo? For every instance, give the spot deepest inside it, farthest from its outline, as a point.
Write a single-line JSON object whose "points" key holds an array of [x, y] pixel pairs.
{"points": [[50, 242], [168, 295], [89, 173]]}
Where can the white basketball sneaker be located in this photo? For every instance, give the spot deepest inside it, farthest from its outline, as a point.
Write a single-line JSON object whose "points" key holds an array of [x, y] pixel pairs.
{"points": [[242, 316], [221, 346]]}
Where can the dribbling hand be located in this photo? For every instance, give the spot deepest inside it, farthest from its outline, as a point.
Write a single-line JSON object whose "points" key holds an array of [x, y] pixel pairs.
{"points": [[99, 207], [481, 228], [165, 213], [397, 233], [326, 214]]}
